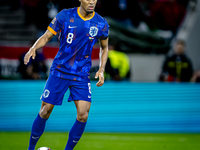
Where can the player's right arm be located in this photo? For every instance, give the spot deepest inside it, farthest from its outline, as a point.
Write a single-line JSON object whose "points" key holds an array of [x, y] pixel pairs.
{"points": [[53, 28], [42, 41]]}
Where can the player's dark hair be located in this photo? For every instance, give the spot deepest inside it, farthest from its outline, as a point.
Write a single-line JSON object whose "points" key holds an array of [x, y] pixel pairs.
{"points": [[180, 41]]}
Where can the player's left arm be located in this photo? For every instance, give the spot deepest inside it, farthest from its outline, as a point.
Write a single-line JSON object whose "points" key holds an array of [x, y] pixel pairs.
{"points": [[103, 55]]}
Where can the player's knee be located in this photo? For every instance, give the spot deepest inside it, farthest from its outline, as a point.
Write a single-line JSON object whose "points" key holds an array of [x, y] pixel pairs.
{"points": [[45, 113], [82, 117]]}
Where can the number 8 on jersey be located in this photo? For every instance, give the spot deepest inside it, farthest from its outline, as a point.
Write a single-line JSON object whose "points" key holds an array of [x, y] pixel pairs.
{"points": [[70, 38]]}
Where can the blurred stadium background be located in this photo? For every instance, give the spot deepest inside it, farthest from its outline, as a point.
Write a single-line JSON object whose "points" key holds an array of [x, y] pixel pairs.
{"points": [[137, 113]]}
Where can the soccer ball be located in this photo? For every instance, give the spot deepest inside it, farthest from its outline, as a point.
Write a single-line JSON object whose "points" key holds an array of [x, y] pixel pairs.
{"points": [[43, 148]]}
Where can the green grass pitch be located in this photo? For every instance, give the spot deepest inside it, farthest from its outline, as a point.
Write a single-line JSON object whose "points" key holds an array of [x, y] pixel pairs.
{"points": [[104, 141]]}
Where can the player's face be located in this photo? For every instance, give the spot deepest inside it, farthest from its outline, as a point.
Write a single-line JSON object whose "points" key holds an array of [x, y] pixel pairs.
{"points": [[179, 48], [88, 5]]}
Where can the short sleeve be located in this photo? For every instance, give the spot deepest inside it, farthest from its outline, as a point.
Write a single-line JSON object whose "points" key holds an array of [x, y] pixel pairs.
{"points": [[57, 22], [104, 31]]}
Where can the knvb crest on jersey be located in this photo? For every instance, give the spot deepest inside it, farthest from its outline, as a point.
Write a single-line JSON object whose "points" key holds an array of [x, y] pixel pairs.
{"points": [[93, 31]]}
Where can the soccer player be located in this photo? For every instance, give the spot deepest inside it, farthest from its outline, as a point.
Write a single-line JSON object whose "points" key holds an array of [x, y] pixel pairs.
{"points": [[80, 28]]}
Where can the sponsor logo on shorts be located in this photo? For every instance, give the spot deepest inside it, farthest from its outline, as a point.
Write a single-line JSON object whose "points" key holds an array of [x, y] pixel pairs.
{"points": [[46, 93]]}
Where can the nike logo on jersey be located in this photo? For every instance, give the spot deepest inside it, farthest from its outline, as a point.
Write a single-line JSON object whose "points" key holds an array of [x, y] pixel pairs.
{"points": [[72, 26], [89, 96]]}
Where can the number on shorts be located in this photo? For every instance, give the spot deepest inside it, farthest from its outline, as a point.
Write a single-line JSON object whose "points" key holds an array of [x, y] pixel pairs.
{"points": [[70, 38], [89, 86]]}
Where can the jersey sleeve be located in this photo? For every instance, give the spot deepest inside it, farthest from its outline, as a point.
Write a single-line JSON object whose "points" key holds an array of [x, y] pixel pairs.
{"points": [[104, 31], [57, 22]]}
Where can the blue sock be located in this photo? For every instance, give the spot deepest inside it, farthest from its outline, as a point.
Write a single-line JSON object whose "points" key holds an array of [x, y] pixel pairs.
{"points": [[36, 132], [75, 134]]}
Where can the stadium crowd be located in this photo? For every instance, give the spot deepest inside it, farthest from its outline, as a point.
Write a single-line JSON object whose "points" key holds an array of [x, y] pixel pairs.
{"points": [[158, 16]]}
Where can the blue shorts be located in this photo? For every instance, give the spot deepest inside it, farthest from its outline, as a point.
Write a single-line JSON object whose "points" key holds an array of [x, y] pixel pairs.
{"points": [[56, 88]]}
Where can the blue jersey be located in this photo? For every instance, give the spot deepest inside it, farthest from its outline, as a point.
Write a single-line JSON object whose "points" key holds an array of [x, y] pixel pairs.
{"points": [[77, 38]]}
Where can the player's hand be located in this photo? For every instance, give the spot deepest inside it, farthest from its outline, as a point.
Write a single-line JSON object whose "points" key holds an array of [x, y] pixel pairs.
{"points": [[100, 75], [29, 54]]}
